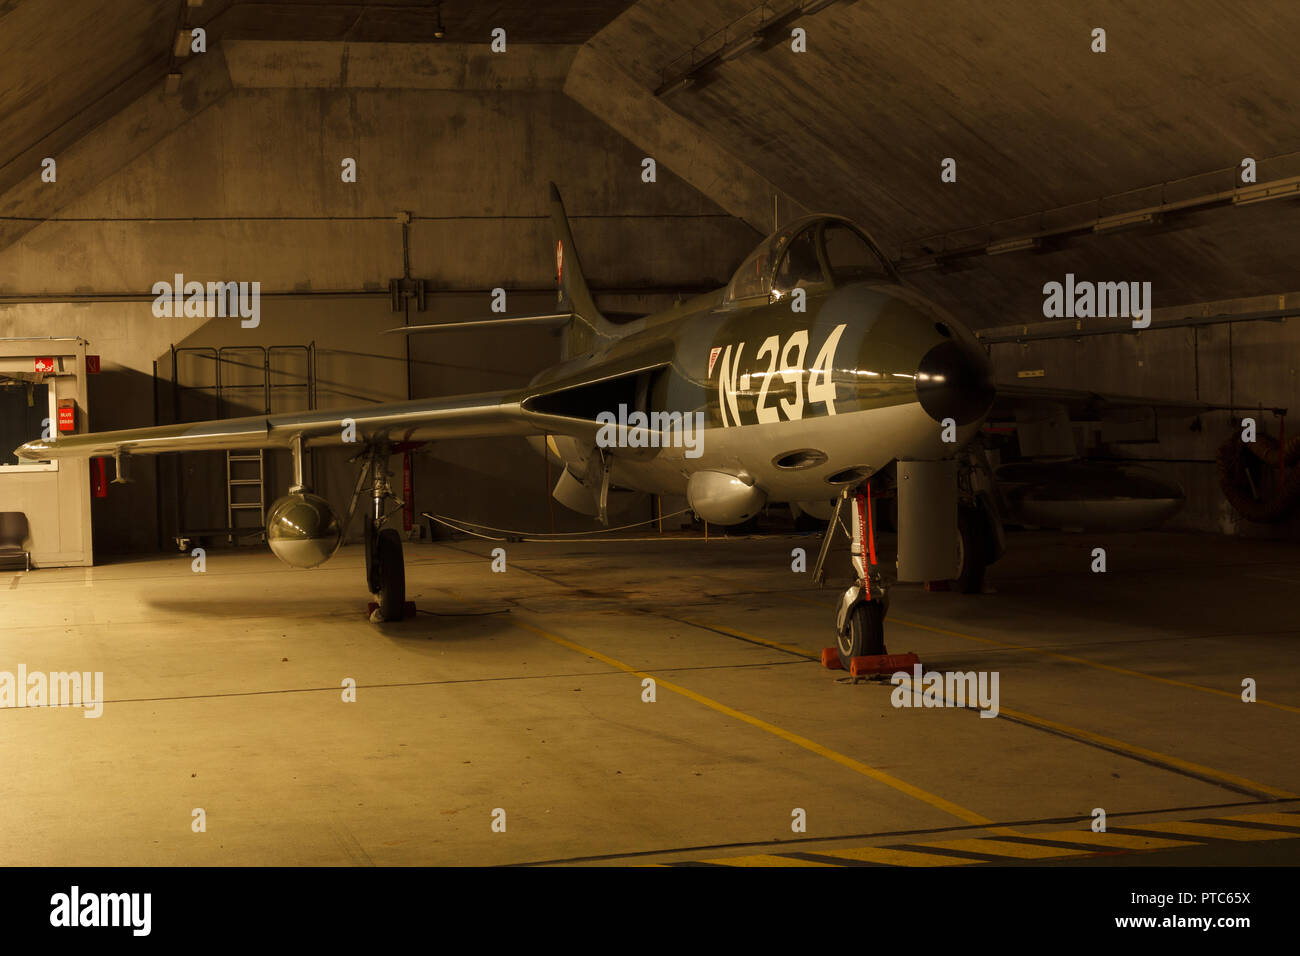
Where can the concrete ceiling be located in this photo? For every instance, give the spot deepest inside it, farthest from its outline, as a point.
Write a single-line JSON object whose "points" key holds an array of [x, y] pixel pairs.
{"points": [[67, 65], [398, 21], [860, 123]]}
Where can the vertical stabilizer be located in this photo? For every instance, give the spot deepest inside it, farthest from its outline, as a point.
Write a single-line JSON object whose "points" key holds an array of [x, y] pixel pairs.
{"points": [[588, 327]]}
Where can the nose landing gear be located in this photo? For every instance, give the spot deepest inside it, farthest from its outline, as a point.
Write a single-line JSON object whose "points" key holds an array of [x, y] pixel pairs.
{"points": [[860, 617]]}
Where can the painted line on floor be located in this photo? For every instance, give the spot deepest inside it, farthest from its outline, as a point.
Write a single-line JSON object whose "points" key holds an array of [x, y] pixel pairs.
{"points": [[1075, 839], [857, 766], [1114, 669], [1108, 840], [1169, 762], [746, 636], [1152, 757], [1032, 847], [1211, 831], [887, 856], [1285, 820]]}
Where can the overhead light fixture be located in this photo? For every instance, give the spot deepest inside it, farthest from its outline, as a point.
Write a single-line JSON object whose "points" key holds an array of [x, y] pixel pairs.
{"points": [[1126, 221], [742, 46], [677, 85], [181, 48], [1283, 189], [173, 82], [1011, 245], [438, 31]]}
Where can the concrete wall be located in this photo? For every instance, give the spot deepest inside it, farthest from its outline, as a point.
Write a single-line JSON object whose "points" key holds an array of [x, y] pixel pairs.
{"points": [[250, 189], [1245, 364]]}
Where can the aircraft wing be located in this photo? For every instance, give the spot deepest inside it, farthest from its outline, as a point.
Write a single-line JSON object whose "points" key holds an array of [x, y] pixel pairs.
{"points": [[1044, 416], [1085, 404], [481, 415]]}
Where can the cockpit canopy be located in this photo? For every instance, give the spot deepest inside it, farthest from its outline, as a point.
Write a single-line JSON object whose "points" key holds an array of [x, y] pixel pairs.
{"points": [[814, 252]]}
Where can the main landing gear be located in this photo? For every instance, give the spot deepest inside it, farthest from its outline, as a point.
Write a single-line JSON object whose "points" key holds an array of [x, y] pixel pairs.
{"points": [[385, 572], [860, 617], [980, 538]]}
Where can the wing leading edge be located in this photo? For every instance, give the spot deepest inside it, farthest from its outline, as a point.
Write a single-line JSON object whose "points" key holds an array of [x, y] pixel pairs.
{"points": [[482, 415]]}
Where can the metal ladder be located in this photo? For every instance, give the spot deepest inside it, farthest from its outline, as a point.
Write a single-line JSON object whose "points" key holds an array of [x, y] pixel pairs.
{"points": [[245, 469], [236, 462]]}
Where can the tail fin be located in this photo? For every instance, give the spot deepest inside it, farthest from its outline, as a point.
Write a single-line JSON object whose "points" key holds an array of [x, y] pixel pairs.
{"points": [[588, 327]]}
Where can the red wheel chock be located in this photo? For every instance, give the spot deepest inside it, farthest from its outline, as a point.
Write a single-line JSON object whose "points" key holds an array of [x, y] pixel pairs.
{"points": [[882, 664], [871, 664]]}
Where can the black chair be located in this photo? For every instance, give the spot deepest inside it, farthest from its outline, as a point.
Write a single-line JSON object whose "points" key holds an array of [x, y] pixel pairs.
{"points": [[13, 534]]}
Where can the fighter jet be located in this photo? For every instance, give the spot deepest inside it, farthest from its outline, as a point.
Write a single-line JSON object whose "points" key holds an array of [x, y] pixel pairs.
{"points": [[804, 380]]}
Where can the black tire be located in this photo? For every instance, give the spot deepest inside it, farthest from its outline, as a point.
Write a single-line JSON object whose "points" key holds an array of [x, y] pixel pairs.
{"points": [[392, 576], [973, 548], [866, 634], [371, 540]]}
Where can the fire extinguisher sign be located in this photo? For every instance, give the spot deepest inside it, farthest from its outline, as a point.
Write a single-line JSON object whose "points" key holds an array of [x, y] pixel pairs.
{"points": [[43, 363]]}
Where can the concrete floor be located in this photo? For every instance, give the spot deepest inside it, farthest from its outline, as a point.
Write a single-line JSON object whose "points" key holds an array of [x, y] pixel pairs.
{"points": [[1118, 690]]}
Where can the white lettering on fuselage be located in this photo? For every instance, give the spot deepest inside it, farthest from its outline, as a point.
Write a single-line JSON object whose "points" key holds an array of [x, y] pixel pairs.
{"points": [[785, 360]]}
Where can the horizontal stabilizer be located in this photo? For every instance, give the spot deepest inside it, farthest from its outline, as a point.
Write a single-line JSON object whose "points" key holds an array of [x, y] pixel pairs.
{"points": [[553, 320]]}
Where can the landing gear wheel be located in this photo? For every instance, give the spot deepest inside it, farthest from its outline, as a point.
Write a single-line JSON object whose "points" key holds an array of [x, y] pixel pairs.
{"points": [[392, 576], [866, 633], [372, 557], [973, 547]]}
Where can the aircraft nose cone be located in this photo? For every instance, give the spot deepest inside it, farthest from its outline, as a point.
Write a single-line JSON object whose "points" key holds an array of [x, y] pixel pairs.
{"points": [[954, 382]]}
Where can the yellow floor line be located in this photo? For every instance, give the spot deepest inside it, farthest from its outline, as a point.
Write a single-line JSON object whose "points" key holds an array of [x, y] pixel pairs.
{"points": [[1213, 831], [745, 635], [1136, 751], [765, 859], [1097, 738], [939, 803], [890, 857], [1108, 840], [1022, 851], [1128, 672], [1069, 658], [1180, 834], [1281, 819]]}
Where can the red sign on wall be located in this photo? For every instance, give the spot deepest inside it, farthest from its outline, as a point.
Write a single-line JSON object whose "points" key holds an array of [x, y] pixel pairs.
{"points": [[92, 364], [67, 416], [44, 363]]}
